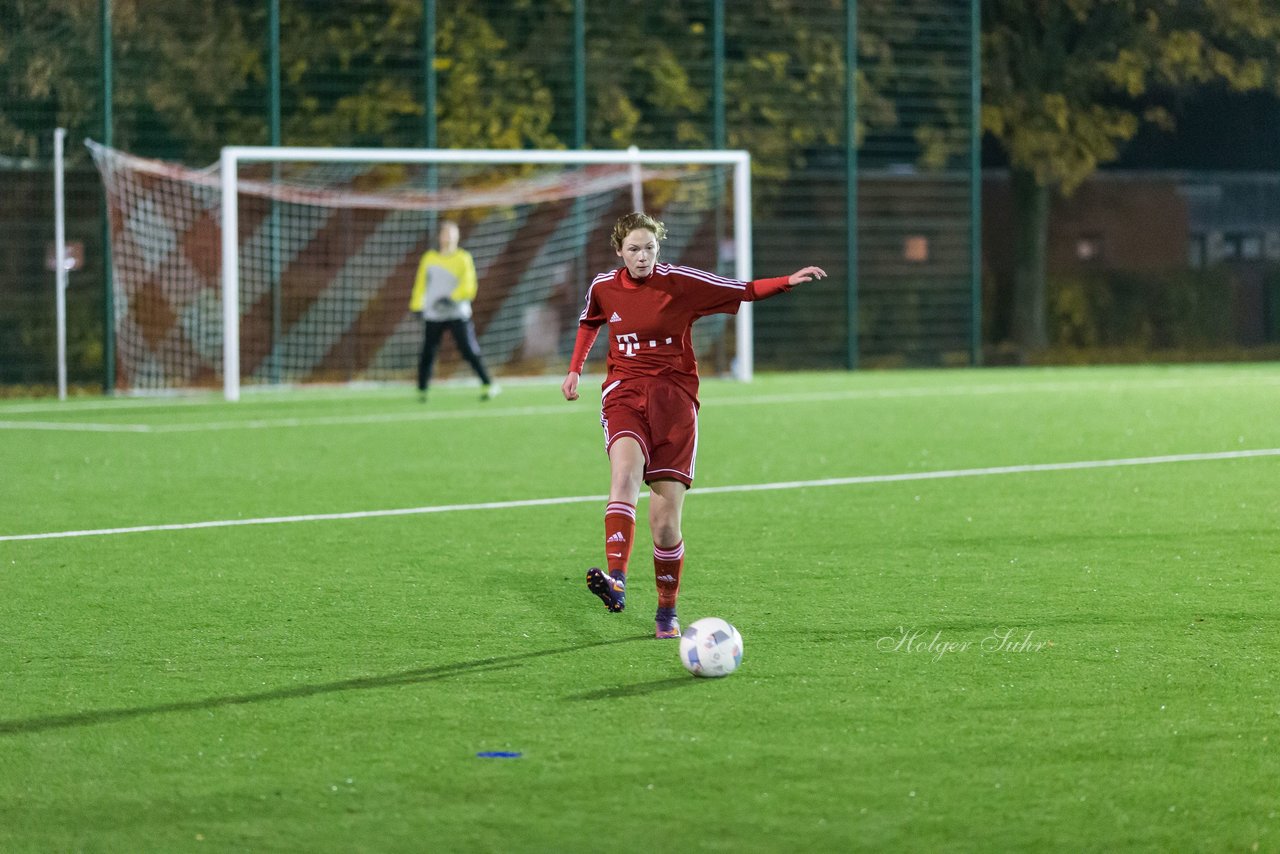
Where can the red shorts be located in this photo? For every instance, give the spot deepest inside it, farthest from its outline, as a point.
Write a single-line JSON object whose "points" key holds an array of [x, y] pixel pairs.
{"points": [[658, 415]]}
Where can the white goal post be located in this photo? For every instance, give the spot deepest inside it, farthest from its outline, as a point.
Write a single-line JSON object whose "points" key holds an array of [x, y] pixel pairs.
{"points": [[233, 157]]}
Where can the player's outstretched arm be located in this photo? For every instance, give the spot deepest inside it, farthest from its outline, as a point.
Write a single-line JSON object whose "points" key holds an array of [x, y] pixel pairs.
{"points": [[570, 385], [806, 274], [765, 288]]}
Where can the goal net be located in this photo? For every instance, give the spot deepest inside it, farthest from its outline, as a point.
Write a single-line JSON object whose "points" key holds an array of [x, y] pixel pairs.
{"points": [[309, 280]]}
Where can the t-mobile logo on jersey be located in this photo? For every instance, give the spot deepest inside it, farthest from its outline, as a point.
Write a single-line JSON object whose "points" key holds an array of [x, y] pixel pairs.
{"points": [[628, 343]]}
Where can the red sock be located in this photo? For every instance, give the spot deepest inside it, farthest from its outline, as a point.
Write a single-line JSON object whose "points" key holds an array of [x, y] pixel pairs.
{"points": [[619, 531], [667, 567]]}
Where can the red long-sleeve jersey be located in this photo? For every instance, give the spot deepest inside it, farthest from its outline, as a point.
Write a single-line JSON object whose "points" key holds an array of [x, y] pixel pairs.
{"points": [[650, 321]]}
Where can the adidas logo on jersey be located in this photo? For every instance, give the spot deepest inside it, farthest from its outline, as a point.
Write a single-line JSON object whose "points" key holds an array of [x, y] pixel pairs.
{"points": [[617, 537], [615, 318]]}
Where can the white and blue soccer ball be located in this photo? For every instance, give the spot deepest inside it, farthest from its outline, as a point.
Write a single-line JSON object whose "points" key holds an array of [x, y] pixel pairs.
{"points": [[710, 647]]}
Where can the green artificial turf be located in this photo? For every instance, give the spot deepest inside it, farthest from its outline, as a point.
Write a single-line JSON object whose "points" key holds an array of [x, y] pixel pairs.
{"points": [[956, 656]]}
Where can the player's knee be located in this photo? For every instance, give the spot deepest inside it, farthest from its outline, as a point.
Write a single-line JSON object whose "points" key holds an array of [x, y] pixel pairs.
{"points": [[626, 467], [665, 529], [626, 478], [626, 481]]}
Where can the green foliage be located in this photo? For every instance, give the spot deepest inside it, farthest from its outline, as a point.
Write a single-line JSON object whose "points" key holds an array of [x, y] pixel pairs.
{"points": [[1061, 79], [46, 72], [1183, 309], [487, 98], [28, 339], [785, 95], [1064, 85], [192, 77]]}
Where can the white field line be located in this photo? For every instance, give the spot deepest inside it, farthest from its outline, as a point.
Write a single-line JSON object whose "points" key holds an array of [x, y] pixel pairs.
{"points": [[92, 404], [311, 394], [76, 427], [256, 394], [267, 423], [711, 490], [563, 408]]}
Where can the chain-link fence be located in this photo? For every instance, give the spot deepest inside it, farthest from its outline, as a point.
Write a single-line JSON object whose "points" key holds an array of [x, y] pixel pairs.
{"points": [[894, 224]]}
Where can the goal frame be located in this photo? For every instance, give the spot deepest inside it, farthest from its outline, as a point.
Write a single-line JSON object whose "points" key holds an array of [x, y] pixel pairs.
{"points": [[234, 155]]}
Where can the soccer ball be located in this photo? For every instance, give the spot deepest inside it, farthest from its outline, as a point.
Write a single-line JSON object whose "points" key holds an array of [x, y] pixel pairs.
{"points": [[710, 647]]}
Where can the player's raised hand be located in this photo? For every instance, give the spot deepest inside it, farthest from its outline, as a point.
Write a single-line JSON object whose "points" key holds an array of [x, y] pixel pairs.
{"points": [[570, 386], [806, 274]]}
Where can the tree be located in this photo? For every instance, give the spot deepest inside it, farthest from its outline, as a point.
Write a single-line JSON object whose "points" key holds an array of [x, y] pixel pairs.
{"points": [[353, 75], [192, 77], [1067, 82], [48, 73]]}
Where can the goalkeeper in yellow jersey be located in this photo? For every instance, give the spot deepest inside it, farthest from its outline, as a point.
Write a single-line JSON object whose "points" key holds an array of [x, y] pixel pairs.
{"points": [[442, 293]]}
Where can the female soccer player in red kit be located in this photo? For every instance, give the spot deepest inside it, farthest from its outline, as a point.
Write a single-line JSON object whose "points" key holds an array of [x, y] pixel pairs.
{"points": [[649, 401]]}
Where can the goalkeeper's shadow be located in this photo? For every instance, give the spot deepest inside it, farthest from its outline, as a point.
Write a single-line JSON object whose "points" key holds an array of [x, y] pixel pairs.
{"points": [[19, 726]]}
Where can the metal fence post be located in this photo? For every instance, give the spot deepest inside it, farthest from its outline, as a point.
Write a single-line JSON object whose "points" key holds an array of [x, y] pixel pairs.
{"points": [[108, 301], [851, 180]]}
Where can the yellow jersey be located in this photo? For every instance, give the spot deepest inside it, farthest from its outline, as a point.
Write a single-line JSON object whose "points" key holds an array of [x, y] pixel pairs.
{"points": [[445, 285]]}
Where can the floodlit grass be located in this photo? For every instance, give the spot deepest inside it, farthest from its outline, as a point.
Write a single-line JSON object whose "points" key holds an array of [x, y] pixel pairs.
{"points": [[1068, 659]]}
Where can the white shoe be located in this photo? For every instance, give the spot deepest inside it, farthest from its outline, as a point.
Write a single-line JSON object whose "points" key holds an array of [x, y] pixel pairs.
{"points": [[491, 391]]}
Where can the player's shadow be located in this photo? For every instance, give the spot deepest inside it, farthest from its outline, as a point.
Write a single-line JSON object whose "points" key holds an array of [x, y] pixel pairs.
{"points": [[405, 677], [639, 689]]}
